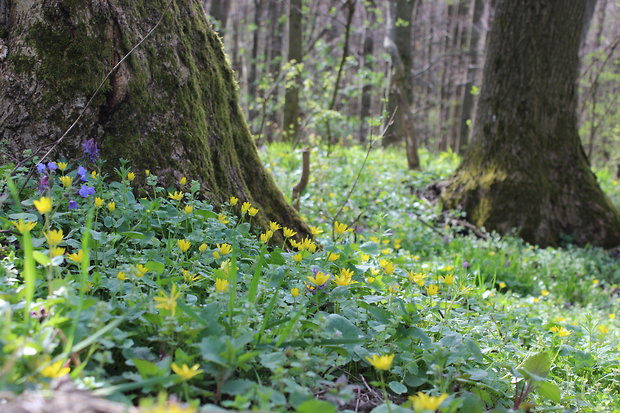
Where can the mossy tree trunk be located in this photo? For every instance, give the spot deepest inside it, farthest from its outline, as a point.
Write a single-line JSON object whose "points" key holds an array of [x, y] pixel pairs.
{"points": [[172, 107], [526, 169]]}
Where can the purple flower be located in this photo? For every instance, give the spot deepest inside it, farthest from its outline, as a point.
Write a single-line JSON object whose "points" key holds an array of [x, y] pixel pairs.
{"points": [[41, 168], [73, 204], [86, 191], [90, 149], [466, 265], [44, 184], [81, 171], [52, 166]]}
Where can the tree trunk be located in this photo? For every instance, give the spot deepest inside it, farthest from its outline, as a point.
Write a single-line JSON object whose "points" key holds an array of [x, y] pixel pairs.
{"points": [[218, 10], [467, 108], [291, 121], [526, 169], [368, 63], [398, 43], [171, 107]]}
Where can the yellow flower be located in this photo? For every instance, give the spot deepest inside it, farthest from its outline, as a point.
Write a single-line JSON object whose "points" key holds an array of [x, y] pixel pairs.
{"points": [[183, 181], [188, 209], [288, 233], [131, 176], [233, 201], [252, 211], [448, 279], [381, 362], [168, 302], [612, 316], [295, 292], [245, 207], [221, 285], [53, 237], [319, 279], [502, 285], [386, 251], [560, 331], [341, 228], [77, 256], [177, 196], [224, 249], [364, 257], [544, 293], [298, 257], [274, 226], [189, 277], [56, 252], [331, 256], [66, 181], [186, 372], [55, 370], [24, 226], [432, 289], [315, 230], [141, 270], [147, 172], [62, 166], [222, 218], [94, 174], [121, 275], [560, 319], [422, 402], [203, 247], [111, 206], [266, 236], [389, 268], [43, 205], [417, 277], [595, 282], [345, 278], [99, 202], [184, 245], [370, 280], [603, 329]]}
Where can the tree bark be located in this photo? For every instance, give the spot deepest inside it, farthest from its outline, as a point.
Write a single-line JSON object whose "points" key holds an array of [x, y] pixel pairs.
{"points": [[526, 170], [291, 121], [398, 43], [219, 12], [171, 107], [469, 100], [368, 63]]}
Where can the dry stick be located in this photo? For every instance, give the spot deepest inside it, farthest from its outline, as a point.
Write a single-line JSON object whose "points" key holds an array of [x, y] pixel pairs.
{"points": [[303, 181], [55, 144]]}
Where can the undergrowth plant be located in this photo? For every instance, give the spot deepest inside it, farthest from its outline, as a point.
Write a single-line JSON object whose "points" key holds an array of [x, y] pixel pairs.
{"points": [[138, 293]]}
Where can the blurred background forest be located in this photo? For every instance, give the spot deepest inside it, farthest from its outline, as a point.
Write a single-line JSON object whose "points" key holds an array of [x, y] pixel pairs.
{"points": [[336, 66]]}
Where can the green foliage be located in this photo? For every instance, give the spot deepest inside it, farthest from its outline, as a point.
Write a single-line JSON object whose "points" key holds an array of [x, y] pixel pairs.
{"points": [[172, 296]]}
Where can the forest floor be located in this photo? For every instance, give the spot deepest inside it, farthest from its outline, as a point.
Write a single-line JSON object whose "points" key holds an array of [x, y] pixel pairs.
{"points": [[160, 301]]}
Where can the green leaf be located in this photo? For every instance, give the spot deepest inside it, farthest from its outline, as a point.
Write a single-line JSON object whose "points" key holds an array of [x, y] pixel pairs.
{"points": [[239, 386], [549, 391], [147, 369], [133, 234], [316, 406], [205, 213], [397, 387], [41, 258], [537, 367], [155, 266]]}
